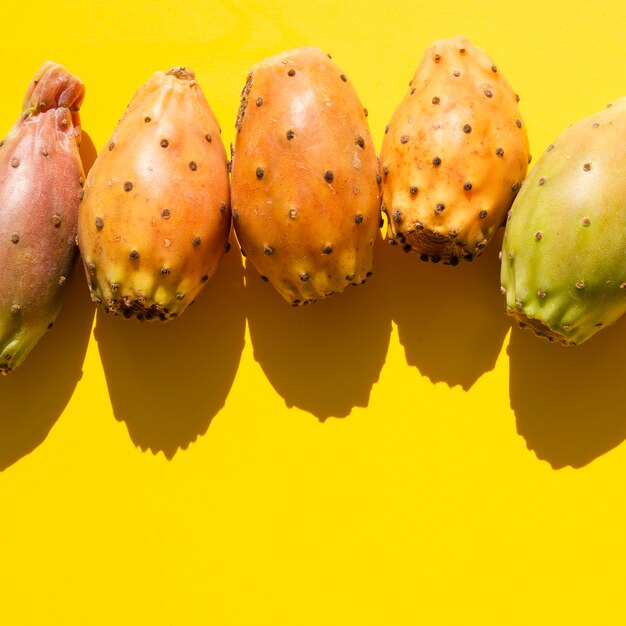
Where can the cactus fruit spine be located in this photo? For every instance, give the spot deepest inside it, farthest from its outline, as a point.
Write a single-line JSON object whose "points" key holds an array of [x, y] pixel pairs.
{"points": [[563, 268], [155, 218], [41, 178], [305, 188], [453, 156]]}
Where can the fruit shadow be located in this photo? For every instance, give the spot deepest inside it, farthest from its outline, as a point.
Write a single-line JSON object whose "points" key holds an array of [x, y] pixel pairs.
{"points": [[568, 402], [167, 381], [323, 358], [35, 395], [451, 320]]}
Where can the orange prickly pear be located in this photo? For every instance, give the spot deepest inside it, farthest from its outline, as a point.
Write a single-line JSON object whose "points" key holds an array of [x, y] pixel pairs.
{"points": [[155, 218], [305, 188], [454, 155], [41, 178]]}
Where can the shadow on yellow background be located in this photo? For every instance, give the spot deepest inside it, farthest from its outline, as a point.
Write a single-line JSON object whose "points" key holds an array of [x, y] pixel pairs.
{"points": [[34, 396], [569, 402], [167, 381], [326, 357], [450, 319]]}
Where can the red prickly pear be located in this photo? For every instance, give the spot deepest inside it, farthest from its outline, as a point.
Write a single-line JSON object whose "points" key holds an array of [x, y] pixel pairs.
{"points": [[563, 267], [41, 178], [454, 155], [306, 199], [155, 218]]}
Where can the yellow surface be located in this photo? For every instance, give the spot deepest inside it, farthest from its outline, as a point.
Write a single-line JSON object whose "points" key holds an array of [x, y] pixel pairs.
{"points": [[395, 455]]}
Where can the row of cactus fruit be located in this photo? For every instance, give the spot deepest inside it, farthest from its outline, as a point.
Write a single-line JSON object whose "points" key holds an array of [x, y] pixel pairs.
{"points": [[305, 191]]}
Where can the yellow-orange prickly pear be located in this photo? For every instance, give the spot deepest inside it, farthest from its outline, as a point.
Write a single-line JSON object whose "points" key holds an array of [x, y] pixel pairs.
{"points": [[155, 218], [454, 155], [305, 188], [41, 178]]}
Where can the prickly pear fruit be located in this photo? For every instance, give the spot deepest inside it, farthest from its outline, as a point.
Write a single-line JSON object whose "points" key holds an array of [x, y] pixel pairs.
{"points": [[155, 218], [306, 200], [564, 250], [454, 155], [41, 178]]}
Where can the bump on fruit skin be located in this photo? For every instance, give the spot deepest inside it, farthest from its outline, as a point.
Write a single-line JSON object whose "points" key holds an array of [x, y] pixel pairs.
{"points": [[155, 219], [305, 186], [41, 178], [454, 154], [563, 269]]}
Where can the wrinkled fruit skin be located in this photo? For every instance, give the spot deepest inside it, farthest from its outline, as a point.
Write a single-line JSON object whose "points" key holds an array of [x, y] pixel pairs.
{"points": [[563, 266], [306, 197], [155, 218], [41, 178], [453, 156]]}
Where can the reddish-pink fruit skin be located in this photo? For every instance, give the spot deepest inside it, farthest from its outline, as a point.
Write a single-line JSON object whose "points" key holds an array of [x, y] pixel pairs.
{"points": [[41, 178]]}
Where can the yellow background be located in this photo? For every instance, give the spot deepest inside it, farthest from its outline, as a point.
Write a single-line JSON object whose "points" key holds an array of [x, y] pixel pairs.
{"points": [[397, 454]]}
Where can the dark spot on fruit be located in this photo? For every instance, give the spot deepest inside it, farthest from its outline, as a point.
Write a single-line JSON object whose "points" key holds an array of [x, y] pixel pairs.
{"points": [[343, 77], [91, 268], [404, 139], [328, 176], [293, 214], [586, 221], [436, 161], [386, 129], [180, 296], [264, 278], [482, 214], [14, 162], [358, 218], [436, 100], [259, 101], [115, 286], [423, 257], [467, 128], [580, 284], [360, 142], [538, 235], [550, 148], [435, 258], [457, 73], [518, 123], [44, 152], [147, 119], [517, 98], [134, 255], [290, 134], [515, 187], [413, 190], [304, 277], [222, 207], [208, 137], [418, 226], [494, 69], [541, 181], [193, 166], [128, 186], [15, 309], [541, 293], [327, 250], [413, 90], [15, 238], [385, 170], [195, 242], [437, 57], [379, 179], [165, 214], [500, 152], [268, 250], [365, 112], [260, 172], [440, 208], [227, 249], [587, 167], [467, 186], [164, 143], [112, 145], [165, 271], [397, 216], [488, 93], [291, 72]]}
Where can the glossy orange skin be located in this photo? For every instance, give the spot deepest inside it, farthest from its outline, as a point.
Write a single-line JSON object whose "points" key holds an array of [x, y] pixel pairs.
{"points": [[155, 218], [41, 178], [306, 199], [454, 155]]}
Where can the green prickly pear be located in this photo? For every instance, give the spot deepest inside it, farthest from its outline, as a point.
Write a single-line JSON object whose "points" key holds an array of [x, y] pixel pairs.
{"points": [[306, 197], [453, 156], [41, 178], [563, 268], [155, 219]]}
